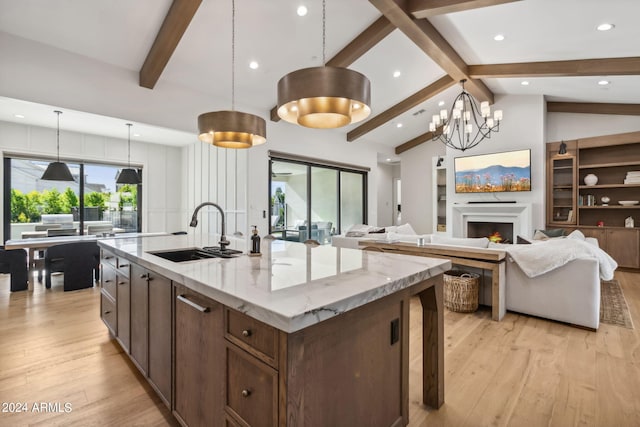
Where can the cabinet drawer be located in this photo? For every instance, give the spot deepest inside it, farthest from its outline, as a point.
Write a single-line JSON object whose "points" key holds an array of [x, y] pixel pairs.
{"points": [[109, 258], [108, 312], [254, 336], [252, 389], [123, 265], [109, 280]]}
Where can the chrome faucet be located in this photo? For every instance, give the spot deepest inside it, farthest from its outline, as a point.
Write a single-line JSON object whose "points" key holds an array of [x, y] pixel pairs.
{"points": [[194, 222]]}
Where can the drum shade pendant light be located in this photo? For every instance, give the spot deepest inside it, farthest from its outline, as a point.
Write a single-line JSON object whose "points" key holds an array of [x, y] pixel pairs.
{"points": [[57, 171], [324, 97], [128, 175], [232, 129]]}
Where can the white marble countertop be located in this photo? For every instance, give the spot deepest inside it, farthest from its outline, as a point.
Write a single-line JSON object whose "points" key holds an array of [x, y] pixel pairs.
{"points": [[292, 285]]}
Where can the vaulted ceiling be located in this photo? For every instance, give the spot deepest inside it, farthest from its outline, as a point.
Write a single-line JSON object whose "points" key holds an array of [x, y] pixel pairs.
{"points": [[182, 48]]}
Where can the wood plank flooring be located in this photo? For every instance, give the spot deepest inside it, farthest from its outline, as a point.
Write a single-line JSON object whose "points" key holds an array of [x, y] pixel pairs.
{"points": [[523, 371]]}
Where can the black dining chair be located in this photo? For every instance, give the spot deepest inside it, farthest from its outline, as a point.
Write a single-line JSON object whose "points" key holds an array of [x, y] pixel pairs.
{"points": [[14, 262], [79, 261]]}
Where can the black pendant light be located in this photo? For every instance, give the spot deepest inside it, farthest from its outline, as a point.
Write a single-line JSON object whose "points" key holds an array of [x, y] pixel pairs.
{"points": [[57, 171], [128, 175]]}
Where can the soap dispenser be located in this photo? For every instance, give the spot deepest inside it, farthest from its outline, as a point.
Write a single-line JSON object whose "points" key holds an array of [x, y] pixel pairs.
{"points": [[255, 241]]}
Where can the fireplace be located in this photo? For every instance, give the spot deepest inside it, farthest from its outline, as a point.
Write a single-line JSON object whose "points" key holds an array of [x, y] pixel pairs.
{"points": [[486, 229], [493, 215]]}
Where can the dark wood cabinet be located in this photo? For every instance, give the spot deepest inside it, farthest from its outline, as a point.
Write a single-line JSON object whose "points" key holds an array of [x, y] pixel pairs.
{"points": [[160, 300], [598, 209], [199, 359], [140, 317]]}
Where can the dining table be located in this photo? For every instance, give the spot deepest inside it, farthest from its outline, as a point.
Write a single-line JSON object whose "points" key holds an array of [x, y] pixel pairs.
{"points": [[37, 244]]}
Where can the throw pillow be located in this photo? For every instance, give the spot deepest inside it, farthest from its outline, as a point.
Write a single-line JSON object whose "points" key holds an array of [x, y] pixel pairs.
{"points": [[405, 229], [555, 232], [576, 234], [539, 235], [481, 242], [522, 241]]}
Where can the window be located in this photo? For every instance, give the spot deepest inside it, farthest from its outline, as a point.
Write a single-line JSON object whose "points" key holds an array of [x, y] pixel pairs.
{"points": [[313, 200], [92, 199]]}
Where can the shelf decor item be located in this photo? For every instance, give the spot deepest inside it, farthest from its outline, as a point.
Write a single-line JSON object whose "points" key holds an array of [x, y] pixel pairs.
{"points": [[591, 179], [628, 222], [628, 202], [605, 200]]}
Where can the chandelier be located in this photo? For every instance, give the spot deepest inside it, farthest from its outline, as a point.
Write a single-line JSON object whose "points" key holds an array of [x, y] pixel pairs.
{"points": [[465, 125], [232, 129], [324, 97]]}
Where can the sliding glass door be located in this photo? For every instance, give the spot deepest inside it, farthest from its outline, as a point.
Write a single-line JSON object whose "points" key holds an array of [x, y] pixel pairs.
{"points": [[314, 201]]}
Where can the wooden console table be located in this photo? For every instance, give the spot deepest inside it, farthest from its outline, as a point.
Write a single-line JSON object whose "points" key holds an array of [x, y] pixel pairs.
{"points": [[488, 259]]}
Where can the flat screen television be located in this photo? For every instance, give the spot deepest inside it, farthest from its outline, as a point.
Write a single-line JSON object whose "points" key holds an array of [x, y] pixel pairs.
{"points": [[508, 171]]}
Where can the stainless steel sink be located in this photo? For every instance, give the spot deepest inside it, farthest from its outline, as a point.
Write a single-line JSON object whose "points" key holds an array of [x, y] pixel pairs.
{"points": [[194, 254]]}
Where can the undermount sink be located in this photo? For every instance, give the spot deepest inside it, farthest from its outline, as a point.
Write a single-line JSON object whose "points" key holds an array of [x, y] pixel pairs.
{"points": [[194, 254]]}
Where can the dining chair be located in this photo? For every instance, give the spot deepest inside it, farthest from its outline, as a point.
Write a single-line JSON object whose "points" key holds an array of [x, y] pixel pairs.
{"points": [[14, 262], [54, 232], [78, 261]]}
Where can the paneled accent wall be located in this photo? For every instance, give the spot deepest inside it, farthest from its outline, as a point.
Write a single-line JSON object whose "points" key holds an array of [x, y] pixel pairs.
{"points": [[216, 175]]}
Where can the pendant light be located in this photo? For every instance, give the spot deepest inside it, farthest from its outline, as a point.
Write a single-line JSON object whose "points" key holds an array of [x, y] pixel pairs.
{"points": [[57, 171], [324, 97], [232, 129], [128, 175]]}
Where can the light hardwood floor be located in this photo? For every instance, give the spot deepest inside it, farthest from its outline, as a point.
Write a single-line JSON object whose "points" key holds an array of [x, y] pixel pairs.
{"points": [[523, 371]]}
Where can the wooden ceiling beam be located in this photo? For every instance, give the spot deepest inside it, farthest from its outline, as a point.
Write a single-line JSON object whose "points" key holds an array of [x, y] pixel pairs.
{"points": [[593, 108], [427, 38], [175, 24], [425, 137], [401, 107], [582, 67], [428, 8], [366, 40]]}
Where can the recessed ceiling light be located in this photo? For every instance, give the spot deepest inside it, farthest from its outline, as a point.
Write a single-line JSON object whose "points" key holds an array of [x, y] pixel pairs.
{"points": [[603, 82], [253, 65], [605, 27], [398, 125], [498, 37], [396, 74], [524, 83], [302, 10], [388, 160], [19, 116], [136, 134], [440, 104]]}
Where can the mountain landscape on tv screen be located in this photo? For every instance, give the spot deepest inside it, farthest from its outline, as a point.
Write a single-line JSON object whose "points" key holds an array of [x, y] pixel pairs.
{"points": [[495, 178]]}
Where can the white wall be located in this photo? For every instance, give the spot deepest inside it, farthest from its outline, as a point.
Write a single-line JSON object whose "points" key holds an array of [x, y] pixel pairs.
{"points": [[523, 127], [162, 174], [417, 185], [574, 126]]}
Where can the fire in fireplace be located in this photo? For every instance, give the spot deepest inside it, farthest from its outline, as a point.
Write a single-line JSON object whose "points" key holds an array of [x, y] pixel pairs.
{"points": [[498, 232]]}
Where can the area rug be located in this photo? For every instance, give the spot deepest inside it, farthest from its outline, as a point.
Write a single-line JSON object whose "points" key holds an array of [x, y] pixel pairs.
{"points": [[613, 306]]}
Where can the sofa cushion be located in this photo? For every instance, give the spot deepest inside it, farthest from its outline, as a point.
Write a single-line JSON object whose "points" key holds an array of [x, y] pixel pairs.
{"points": [[480, 242], [576, 234], [523, 240], [405, 229], [554, 232]]}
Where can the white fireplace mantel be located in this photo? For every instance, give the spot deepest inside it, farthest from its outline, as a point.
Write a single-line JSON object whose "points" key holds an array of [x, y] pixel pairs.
{"points": [[519, 214]]}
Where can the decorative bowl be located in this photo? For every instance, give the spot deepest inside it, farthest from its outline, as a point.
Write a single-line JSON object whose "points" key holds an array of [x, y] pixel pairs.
{"points": [[628, 202]]}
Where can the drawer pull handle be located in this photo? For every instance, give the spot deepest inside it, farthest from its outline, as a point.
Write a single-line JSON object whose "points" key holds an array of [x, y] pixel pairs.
{"points": [[246, 393], [108, 257], [246, 333], [122, 283], [108, 281], [123, 265], [143, 276], [193, 304], [106, 312]]}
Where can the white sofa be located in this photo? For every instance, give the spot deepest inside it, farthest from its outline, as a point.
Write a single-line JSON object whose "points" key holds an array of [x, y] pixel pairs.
{"points": [[570, 293]]}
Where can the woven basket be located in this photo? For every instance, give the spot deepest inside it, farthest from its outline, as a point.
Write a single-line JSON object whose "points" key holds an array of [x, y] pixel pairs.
{"points": [[461, 291]]}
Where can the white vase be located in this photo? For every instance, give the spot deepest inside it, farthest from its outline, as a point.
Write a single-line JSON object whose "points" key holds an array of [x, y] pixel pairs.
{"points": [[591, 179]]}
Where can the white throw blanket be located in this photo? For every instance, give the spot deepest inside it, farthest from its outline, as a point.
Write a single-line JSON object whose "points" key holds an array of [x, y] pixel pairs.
{"points": [[537, 259]]}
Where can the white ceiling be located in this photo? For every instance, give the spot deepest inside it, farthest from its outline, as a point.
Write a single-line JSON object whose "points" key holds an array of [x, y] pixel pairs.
{"points": [[119, 33]]}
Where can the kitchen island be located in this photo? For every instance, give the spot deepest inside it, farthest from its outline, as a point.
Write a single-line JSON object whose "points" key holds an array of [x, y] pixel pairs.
{"points": [[301, 335]]}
